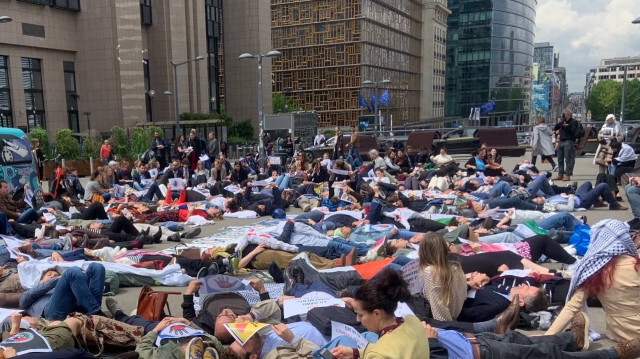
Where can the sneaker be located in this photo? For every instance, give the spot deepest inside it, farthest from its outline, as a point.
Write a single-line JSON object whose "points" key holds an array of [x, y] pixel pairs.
{"points": [[555, 169], [571, 250], [195, 349], [580, 330], [618, 207], [192, 233], [112, 306], [628, 349]]}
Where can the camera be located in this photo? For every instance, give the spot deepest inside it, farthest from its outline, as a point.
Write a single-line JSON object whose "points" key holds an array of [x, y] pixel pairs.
{"points": [[326, 354]]}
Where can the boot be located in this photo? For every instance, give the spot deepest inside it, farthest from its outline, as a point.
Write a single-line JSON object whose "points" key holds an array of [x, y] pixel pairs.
{"points": [[566, 178], [156, 237]]}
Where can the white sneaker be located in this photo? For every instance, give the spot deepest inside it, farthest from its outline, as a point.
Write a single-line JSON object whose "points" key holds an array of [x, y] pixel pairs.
{"points": [[569, 268], [571, 250]]}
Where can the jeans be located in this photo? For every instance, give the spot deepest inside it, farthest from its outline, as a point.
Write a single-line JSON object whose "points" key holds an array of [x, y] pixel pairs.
{"points": [[106, 196], [344, 246], [353, 158], [86, 290], [516, 345], [589, 195], [504, 237], [633, 194], [300, 289], [154, 190], [566, 158], [5, 226], [405, 233], [371, 337], [29, 215], [513, 202], [559, 220], [499, 189], [540, 184], [138, 187], [170, 225], [136, 320], [283, 182]]}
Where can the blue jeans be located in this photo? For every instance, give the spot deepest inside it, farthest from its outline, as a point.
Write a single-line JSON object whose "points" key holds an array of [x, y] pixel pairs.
{"points": [[68, 256], [540, 184], [346, 341], [504, 237], [137, 186], [76, 291], [283, 182], [589, 195], [29, 215], [353, 158], [135, 320], [405, 233], [5, 226], [106, 196], [499, 189], [633, 194], [172, 226], [343, 246], [300, 289], [560, 220]]}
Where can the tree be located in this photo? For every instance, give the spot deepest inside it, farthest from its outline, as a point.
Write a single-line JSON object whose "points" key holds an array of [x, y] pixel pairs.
{"points": [[66, 144], [91, 144], [141, 138], [632, 103], [43, 137], [604, 99], [279, 106], [119, 142]]}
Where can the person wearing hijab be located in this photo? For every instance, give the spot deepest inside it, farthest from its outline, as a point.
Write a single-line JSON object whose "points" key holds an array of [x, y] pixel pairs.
{"points": [[608, 271], [611, 130]]}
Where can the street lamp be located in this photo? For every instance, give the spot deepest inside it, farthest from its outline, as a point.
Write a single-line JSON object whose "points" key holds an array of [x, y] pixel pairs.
{"points": [[375, 102], [175, 88], [5, 18], [245, 56], [624, 88]]}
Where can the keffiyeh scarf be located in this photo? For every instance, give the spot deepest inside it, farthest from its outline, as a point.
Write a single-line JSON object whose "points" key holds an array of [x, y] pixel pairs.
{"points": [[609, 238]]}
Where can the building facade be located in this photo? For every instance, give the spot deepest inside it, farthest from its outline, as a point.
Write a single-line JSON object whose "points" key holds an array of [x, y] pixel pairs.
{"points": [[490, 56], [544, 56], [613, 69], [434, 51], [329, 48], [93, 64]]}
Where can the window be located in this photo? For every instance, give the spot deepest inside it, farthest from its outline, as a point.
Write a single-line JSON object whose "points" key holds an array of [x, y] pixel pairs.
{"points": [[213, 17], [145, 12], [72, 95], [32, 30], [6, 117], [72, 5], [39, 2], [33, 95]]}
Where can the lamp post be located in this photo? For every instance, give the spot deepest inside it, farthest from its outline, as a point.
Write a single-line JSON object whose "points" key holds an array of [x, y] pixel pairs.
{"points": [[246, 55], [375, 103], [175, 88], [5, 18]]}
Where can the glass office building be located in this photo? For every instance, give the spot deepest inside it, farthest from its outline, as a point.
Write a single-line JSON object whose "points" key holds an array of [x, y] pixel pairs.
{"points": [[490, 56]]}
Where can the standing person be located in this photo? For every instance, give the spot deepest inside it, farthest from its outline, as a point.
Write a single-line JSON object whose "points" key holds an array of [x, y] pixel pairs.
{"points": [[354, 148], [568, 130], [38, 156], [180, 146], [158, 146], [319, 139], [213, 147], [541, 143], [375, 303], [338, 147], [196, 146], [105, 152]]}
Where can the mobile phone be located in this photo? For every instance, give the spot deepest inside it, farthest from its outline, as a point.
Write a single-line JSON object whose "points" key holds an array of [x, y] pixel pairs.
{"points": [[326, 354]]}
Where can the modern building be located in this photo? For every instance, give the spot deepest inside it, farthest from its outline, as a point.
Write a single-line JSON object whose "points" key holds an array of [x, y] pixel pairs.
{"points": [[544, 56], [329, 48], [613, 69], [490, 56], [83, 64]]}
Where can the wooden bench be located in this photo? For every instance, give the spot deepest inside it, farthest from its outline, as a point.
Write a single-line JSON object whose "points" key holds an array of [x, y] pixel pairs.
{"points": [[503, 139], [418, 140]]}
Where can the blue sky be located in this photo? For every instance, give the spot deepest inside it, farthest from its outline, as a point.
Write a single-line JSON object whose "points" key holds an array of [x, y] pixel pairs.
{"points": [[585, 31]]}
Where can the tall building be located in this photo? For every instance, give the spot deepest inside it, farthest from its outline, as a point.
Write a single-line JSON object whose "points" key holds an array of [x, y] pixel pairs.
{"points": [[83, 64], [490, 56], [613, 69], [544, 56], [329, 48]]}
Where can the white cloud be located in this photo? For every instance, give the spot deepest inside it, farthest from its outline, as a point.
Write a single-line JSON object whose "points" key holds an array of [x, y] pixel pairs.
{"points": [[585, 31]]}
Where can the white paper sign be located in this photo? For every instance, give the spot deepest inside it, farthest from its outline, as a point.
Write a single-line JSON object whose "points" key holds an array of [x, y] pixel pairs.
{"points": [[28, 197], [153, 172], [338, 329], [233, 189], [339, 172], [177, 330], [403, 309], [49, 217], [176, 184], [146, 181], [261, 183], [204, 158], [274, 160], [411, 273], [304, 305]]}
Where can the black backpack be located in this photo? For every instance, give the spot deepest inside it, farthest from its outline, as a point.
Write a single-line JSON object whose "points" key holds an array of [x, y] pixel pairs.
{"points": [[579, 131]]}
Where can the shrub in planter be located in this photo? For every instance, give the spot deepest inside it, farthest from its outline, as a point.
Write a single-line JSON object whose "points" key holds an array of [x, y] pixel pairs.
{"points": [[119, 142], [92, 144], [66, 144], [42, 136], [141, 138]]}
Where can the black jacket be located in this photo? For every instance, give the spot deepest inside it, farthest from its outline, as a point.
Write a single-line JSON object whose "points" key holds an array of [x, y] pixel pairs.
{"points": [[488, 302], [568, 132]]}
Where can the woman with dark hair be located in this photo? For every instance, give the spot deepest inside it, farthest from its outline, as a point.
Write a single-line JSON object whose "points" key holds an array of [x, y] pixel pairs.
{"points": [[375, 303], [609, 272]]}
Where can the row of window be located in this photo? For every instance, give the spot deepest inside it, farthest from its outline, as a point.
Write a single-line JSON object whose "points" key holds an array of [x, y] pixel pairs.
{"points": [[72, 5], [34, 95], [613, 77]]}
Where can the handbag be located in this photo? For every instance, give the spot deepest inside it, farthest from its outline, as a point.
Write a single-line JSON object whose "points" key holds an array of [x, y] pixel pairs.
{"points": [[580, 239], [151, 303], [97, 197]]}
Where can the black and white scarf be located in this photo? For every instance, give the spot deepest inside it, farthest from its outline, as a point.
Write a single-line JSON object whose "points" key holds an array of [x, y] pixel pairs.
{"points": [[609, 238]]}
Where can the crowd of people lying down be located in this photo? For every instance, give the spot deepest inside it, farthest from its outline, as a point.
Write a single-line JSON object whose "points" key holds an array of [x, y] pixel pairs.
{"points": [[427, 257]]}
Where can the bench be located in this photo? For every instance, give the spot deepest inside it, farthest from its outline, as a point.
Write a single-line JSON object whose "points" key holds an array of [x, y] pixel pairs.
{"points": [[503, 139], [419, 140]]}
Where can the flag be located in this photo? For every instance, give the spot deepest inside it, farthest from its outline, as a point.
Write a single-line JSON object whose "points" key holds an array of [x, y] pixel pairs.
{"points": [[515, 113], [372, 101], [477, 115], [362, 102], [384, 98], [471, 114]]}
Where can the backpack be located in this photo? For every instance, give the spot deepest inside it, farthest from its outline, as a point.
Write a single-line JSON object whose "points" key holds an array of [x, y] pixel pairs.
{"points": [[520, 193], [579, 132]]}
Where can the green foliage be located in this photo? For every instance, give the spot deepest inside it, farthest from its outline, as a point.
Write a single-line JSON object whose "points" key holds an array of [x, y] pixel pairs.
{"points": [[141, 138], [119, 142], [195, 116], [91, 144], [605, 98], [241, 130], [632, 105], [42, 135], [66, 144], [279, 105], [329, 133]]}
